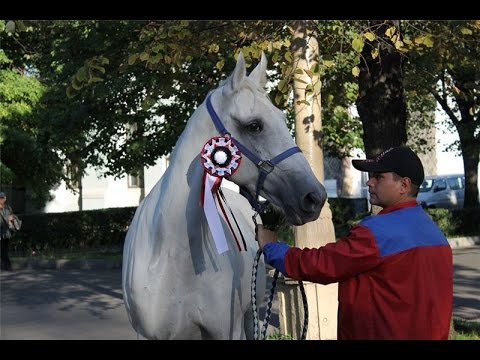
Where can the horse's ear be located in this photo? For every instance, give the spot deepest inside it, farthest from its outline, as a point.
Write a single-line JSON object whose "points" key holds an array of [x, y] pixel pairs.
{"points": [[239, 73], [259, 74]]}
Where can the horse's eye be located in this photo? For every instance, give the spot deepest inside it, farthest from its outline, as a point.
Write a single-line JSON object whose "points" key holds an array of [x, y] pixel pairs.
{"points": [[254, 126]]}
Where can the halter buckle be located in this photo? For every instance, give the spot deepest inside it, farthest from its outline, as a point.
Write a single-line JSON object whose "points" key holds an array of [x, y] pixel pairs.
{"points": [[266, 166]]}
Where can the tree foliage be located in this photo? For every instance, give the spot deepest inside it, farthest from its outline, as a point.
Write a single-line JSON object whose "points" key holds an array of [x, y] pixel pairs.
{"points": [[26, 160], [117, 94], [446, 67]]}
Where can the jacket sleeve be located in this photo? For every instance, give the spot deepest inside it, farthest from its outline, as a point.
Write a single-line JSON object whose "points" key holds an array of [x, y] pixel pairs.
{"points": [[334, 262], [275, 255]]}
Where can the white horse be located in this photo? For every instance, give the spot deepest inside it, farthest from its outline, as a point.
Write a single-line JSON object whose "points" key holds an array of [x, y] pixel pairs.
{"points": [[175, 283]]}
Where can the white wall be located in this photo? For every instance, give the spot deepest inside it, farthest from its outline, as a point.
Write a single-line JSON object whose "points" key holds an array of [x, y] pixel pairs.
{"points": [[104, 192]]}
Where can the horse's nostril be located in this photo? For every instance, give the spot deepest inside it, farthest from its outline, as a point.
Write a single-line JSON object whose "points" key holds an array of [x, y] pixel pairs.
{"points": [[312, 202]]}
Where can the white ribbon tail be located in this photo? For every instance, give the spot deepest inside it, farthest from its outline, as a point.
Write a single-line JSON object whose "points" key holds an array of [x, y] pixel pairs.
{"points": [[212, 216]]}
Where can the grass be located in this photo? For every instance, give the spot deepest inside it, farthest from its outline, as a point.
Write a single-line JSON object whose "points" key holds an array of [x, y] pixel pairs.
{"points": [[277, 336], [466, 330]]}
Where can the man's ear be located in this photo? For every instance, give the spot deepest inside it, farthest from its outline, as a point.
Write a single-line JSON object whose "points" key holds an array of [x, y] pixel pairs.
{"points": [[406, 185]]}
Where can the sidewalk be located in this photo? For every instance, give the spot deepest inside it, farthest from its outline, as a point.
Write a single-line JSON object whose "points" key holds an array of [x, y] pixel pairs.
{"points": [[87, 303], [98, 264]]}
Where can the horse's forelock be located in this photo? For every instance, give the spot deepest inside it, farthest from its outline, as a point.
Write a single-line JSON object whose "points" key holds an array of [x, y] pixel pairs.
{"points": [[246, 84]]}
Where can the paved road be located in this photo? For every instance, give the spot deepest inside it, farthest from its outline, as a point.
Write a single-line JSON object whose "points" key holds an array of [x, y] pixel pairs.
{"points": [[466, 283], [87, 304]]}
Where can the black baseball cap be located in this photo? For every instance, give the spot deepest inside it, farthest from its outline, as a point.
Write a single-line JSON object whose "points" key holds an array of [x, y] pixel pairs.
{"points": [[2, 194], [401, 160]]}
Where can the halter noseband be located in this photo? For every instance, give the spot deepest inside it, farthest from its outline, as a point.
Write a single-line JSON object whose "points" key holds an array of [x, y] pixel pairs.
{"points": [[265, 167]]}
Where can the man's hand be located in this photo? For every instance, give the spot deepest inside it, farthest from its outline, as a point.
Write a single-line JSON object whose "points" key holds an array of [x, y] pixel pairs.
{"points": [[264, 236]]}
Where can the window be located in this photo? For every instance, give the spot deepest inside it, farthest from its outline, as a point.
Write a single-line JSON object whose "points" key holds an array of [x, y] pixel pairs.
{"points": [[133, 181], [427, 185], [440, 184], [455, 183]]}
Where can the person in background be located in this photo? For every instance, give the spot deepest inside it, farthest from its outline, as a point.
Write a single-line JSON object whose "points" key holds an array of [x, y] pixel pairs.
{"points": [[394, 269], [6, 217]]}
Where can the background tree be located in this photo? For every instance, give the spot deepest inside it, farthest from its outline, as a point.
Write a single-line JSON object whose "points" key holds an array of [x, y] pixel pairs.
{"points": [[381, 102], [26, 159], [132, 85], [445, 65]]}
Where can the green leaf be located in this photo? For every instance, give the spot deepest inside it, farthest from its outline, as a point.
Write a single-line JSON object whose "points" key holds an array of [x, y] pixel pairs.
{"points": [[428, 41], [20, 25], [315, 69], [375, 53], [356, 71], [278, 99], [220, 64], [70, 92], [390, 31], [299, 71], [358, 44], [75, 84], [99, 68], [158, 47], [144, 56], [82, 74], [104, 60], [369, 36], [132, 58], [419, 40], [282, 86], [328, 63], [299, 102], [213, 48], [288, 56], [466, 31], [398, 44], [10, 27]]}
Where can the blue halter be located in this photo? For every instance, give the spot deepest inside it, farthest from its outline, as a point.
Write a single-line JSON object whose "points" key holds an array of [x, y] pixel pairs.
{"points": [[265, 167]]}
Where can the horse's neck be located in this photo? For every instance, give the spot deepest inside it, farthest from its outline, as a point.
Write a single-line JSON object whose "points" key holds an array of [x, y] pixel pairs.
{"points": [[183, 178]]}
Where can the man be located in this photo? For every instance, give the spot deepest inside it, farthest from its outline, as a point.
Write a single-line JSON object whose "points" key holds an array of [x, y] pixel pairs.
{"points": [[6, 216], [394, 269]]}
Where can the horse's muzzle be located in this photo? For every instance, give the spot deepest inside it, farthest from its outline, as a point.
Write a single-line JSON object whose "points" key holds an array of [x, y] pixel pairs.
{"points": [[313, 202]]}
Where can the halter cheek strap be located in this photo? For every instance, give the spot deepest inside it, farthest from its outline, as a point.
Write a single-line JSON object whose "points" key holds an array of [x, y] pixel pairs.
{"points": [[265, 167]]}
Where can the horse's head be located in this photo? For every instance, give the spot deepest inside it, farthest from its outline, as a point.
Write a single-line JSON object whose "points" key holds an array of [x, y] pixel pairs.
{"points": [[250, 117]]}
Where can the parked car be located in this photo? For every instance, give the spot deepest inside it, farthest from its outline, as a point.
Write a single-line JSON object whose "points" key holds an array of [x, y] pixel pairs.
{"points": [[442, 191]]}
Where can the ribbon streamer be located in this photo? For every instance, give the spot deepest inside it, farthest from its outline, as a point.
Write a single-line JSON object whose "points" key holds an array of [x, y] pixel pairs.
{"points": [[219, 158], [211, 184]]}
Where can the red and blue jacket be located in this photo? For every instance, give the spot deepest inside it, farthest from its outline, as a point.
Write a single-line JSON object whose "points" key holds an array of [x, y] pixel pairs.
{"points": [[395, 275]]}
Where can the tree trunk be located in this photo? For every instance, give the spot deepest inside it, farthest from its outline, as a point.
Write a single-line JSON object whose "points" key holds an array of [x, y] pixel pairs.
{"points": [[80, 194], [471, 156], [321, 299], [141, 183], [469, 144], [381, 102]]}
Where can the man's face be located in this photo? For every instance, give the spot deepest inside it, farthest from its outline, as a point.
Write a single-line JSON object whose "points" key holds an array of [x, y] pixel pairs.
{"points": [[2, 200], [385, 190]]}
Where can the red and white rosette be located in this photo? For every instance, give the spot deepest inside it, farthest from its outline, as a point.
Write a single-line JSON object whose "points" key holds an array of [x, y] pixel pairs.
{"points": [[220, 158]]}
